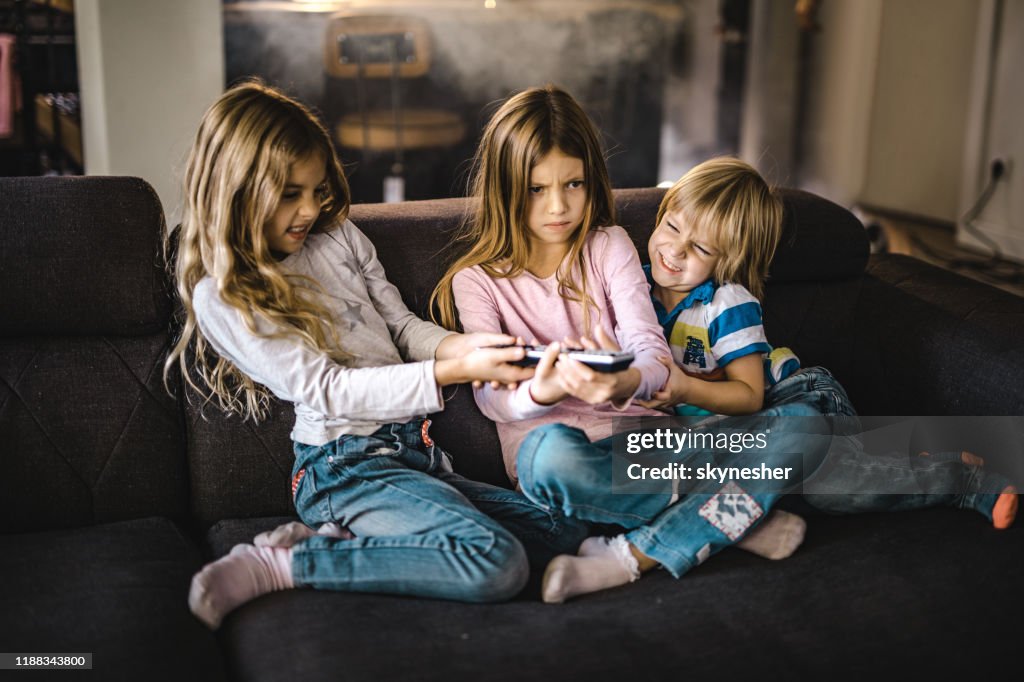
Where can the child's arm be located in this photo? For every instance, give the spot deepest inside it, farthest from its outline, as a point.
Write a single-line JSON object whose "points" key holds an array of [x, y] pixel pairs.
{"points": [[455, 346], [741, 392], [627, 317], [478, 312], [294, 372], [415, 338], [482, 363]]}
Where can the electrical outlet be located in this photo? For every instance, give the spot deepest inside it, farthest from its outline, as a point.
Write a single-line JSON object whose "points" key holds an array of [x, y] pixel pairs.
{"points": [[1000, 167]]}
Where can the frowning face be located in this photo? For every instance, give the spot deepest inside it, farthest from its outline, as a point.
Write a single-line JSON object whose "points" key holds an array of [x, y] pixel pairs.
{"points": [[558, 196]]}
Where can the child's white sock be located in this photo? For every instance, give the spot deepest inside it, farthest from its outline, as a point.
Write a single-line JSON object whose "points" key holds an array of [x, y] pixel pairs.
{"points": [[244, 574], [777, 537], [602, 563], [290, 534]]}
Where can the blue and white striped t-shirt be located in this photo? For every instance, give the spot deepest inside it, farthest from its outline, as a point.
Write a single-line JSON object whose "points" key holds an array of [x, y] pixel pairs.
{"points": [[715, 325]]}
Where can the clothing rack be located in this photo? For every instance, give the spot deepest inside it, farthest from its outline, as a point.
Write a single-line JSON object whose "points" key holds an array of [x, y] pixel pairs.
{"points": [[50, 137]]}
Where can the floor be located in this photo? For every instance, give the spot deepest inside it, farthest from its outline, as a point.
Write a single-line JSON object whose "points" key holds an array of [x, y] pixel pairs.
{"points": [[936, 243]]}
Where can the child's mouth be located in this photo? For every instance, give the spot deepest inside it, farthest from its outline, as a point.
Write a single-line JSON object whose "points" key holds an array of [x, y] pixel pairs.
{"points": [[665, 264]]}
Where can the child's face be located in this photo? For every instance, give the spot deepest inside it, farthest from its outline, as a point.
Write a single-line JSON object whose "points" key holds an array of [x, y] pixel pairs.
{"points": [[299, 205], [681, 258], [558, 197]]}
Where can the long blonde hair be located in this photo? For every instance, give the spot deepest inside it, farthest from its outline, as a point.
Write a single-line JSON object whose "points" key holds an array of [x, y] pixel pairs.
{"points": [[237, 169], [527, 127], [740, 212]]}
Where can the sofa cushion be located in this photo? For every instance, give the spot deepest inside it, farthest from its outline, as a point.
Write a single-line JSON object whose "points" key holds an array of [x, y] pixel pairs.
{"points": [[88, 431], [238, 468], [815, 319], [118, 591], [821, 241], [936, 343], [852, 603], [81, 256]]}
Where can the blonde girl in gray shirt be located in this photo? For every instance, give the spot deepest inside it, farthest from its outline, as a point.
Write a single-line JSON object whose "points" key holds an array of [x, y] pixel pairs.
{"points": [[283, 295]]}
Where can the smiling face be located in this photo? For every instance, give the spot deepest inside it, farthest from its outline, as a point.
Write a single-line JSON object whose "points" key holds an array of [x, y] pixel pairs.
{"points": [[299, 206], [682, 258], [558, 197]]}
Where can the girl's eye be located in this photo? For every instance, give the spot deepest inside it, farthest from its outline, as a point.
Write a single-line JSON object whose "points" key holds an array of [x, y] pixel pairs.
{"points": [[575, 184], [702, 250], [323, 192], [288, 196], [535, 190], [672, 227]]}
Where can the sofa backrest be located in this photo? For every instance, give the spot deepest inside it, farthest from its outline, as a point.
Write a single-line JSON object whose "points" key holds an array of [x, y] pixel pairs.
{"points": [[87, 431], [239, 469]]}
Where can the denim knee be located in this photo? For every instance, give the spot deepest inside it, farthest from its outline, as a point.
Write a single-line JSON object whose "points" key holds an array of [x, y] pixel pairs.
{"points": [[543, 463], [501, 572]]}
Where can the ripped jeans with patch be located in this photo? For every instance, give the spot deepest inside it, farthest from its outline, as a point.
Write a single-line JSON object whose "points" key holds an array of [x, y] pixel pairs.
{"points": [[679, 524]]}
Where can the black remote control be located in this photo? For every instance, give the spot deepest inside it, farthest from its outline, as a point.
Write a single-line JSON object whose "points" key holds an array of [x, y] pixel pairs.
{"points": [[600, 360]]}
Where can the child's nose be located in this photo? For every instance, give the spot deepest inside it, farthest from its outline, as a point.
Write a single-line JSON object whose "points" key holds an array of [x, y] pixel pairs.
{"points": [[556, 202], [310, 207]]}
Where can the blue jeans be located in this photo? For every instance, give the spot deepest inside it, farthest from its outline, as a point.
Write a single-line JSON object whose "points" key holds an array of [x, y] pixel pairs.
{"points": [[420, 529], [853, 481], [560, 469]]}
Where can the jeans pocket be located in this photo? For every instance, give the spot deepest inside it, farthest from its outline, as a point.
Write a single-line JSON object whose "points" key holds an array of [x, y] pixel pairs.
{"points": [[311, 503]]}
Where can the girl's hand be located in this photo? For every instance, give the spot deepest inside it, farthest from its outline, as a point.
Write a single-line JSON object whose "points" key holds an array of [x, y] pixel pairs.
{"points": [[597, 387], [483, 364], [675, 389], [459, 345], [546, 388]]}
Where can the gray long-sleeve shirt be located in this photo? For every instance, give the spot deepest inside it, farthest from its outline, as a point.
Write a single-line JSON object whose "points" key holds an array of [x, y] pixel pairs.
{"points": [[391, 375]]}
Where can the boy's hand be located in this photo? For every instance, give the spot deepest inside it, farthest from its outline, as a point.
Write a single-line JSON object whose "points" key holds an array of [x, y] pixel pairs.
{"points": [[675, 389], [596, 387]]}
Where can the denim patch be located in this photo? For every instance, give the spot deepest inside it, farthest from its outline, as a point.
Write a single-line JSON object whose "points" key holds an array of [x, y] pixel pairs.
{"points": [[732, 511]]}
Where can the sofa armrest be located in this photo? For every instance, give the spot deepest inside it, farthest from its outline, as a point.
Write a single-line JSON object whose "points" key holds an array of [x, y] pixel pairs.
{"points": [[931, 342]]}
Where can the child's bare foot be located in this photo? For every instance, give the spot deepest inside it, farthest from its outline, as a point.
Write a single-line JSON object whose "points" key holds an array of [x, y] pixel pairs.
{"points": [[777, 537], [244, 574], [603, 563], [1005, 509]]}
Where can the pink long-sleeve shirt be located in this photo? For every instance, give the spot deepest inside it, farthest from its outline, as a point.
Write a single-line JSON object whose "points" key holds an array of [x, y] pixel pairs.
{"points": [[531, 307]]}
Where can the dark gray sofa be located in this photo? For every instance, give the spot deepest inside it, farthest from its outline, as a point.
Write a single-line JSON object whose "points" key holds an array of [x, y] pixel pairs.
{"points": [[113, 491]]}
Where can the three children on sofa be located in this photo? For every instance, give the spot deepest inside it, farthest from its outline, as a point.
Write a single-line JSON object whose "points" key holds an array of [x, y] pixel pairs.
{"points": [[266, 253]]}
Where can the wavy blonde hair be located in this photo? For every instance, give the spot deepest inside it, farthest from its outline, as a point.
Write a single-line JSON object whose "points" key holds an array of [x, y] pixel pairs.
{"points": [[740, 212], [237, 169], [525, 128]]}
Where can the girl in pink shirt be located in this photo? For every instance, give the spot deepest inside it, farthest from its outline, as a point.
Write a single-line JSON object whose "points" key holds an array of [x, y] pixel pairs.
{"points": [[543, 260]]}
